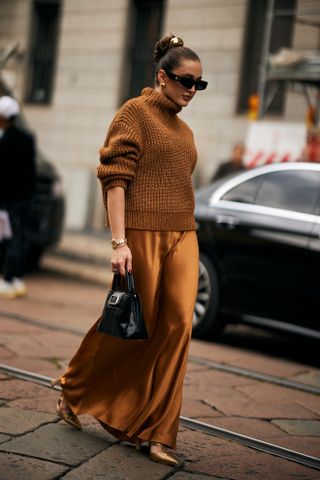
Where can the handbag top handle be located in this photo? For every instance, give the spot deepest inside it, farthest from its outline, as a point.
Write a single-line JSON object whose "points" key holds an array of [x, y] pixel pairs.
{"points": [[117, 282]]}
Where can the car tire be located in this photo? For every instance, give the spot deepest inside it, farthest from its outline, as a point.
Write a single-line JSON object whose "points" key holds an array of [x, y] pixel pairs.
{"points": [[207, 323]]}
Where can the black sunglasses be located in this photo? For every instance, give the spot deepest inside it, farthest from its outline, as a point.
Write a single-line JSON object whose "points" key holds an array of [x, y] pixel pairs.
{"points": [[188, 82]]}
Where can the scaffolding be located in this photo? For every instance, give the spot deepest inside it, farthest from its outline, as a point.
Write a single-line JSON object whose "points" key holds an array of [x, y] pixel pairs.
{"points": [[304, 75]]}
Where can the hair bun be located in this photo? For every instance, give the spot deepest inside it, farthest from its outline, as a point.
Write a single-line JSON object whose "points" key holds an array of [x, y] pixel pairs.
{"points": [[164, 44]]}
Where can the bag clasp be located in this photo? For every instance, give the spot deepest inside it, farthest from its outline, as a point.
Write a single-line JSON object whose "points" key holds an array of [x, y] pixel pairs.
{"points": [[115, 298]]}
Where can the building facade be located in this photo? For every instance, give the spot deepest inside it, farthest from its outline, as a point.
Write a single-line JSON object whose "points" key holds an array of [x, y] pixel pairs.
{"points": [[78, 61]]}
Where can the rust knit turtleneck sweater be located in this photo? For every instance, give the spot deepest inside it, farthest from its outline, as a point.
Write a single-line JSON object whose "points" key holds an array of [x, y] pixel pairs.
{"points": [[150, 152]]}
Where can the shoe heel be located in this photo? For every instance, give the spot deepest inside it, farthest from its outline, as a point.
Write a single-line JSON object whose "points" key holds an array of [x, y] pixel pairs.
{"points": [[67, 415], [56, 381], [138, 444], [161, 455]]}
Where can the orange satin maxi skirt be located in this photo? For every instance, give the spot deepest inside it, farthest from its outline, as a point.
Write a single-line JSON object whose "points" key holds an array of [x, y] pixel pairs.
{"points": [[134, 387]]}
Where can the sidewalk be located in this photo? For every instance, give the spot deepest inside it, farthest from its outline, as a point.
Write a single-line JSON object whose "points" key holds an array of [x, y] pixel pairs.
{"points": [[36, 445], [86, 257]]}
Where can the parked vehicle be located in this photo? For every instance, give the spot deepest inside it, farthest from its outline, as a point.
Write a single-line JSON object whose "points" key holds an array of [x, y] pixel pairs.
{"points": [[48, 206], [259, 238], [47, 211]]}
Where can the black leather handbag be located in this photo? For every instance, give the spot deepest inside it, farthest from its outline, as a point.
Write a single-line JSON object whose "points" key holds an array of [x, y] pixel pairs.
{"points": [[122, 314]]}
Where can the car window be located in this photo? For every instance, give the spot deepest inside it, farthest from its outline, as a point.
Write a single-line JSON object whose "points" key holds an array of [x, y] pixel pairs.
{"points": [[245, 192], [317, 209], [290, 190]]}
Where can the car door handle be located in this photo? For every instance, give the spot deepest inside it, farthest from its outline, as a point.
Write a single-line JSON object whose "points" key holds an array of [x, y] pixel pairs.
{"points": [[227, 221]]}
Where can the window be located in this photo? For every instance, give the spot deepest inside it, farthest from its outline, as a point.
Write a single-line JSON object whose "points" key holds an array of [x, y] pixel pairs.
{"points": [[281, 36], [147, 18], [246, 192], [43, 50], [296, 191]]}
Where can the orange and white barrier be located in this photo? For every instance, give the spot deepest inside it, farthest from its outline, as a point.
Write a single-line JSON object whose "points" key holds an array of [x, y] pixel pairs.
{"points": [[272, 142]]}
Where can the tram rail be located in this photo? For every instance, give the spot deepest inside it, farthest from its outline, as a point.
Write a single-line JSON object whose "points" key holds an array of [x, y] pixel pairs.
{"points": [[263, 377], [219, 366], [251, 442]]}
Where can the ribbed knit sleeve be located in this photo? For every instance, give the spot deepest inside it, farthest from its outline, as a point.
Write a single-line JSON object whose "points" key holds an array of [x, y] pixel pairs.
{"points": [[121, 151]]}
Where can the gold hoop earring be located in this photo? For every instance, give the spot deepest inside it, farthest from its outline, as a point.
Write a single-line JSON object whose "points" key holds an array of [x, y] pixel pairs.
{"points": [[162, 84]]}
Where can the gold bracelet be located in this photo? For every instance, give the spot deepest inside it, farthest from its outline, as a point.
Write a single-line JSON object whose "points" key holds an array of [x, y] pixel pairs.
{"points": [[116, 243]]}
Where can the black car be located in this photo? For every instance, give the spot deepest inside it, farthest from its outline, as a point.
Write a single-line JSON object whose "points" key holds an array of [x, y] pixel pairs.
{"points": [[48, 206], [47, 211], [259, 238]]}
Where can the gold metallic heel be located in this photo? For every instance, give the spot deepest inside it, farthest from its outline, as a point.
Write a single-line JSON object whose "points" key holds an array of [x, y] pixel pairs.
{"points": [[56, 381], [158, 453], [64, 412]]}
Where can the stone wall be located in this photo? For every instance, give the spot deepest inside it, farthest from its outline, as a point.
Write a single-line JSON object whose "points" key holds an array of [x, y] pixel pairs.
{"points": [[214, 29], [91, 64], [87, 83]]}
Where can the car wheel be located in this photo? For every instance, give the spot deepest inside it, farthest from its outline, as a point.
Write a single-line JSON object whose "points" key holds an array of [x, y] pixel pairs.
{"points": [[206, 320]]}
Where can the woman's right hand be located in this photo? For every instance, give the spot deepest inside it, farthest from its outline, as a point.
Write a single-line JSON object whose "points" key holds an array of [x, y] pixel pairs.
{"points": [[121, 259]]}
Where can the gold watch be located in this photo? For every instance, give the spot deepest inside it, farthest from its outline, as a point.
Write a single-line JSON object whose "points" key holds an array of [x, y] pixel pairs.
{"points": [[118, 242]]}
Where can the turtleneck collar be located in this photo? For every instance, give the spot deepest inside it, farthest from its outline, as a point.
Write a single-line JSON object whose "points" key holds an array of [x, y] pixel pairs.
{"points": [[160, 101]]}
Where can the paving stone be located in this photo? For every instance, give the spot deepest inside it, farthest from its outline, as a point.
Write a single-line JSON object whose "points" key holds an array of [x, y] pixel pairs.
{"points": [[5, 353], [92, 426], [267, 393], [306, 445], [244, 358], [60, 302], [119, 462], [236, 402], [197, 408], [222, 458], [251, 427], [58, 443], [12, 326], [89, 272], [208, 379], [214, 352], [52, 367], [311, 378], [16, 467], [268, 364], [195, 367], [16, 421], [46, 402], [299, 427], [194, 476], [4, 438], [14, 389], [42, 345]]}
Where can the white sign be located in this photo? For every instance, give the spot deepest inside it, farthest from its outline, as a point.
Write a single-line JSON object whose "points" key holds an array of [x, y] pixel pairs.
{"points": [[272, 142]]}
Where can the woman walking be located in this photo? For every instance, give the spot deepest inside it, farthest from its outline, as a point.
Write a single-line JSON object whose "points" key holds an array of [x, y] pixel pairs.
{"points": [[134, 388]]}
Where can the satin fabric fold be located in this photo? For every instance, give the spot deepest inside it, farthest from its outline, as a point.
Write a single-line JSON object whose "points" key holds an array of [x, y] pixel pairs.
{"points": [[134, 387]]}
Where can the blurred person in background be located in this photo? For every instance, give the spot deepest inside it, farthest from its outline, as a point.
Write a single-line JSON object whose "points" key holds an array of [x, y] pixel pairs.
{"points": [[311, 150], [134, 387], [232, 166], [17, 185]]}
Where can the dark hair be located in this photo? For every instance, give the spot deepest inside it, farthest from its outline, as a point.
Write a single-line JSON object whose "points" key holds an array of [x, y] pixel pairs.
{"points": [[169, 51]]}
